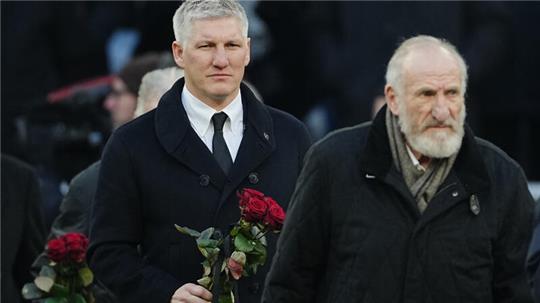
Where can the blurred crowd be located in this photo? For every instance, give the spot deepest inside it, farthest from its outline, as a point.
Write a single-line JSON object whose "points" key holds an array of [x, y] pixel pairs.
{"points": [[321, 61]]}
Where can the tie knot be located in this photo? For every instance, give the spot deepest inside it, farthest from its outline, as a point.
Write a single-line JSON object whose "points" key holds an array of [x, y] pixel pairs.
{"points": [[218, 120]]}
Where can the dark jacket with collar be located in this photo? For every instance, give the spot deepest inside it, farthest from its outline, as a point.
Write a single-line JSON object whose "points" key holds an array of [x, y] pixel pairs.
{"points": [[354, 233], [156, 172]]}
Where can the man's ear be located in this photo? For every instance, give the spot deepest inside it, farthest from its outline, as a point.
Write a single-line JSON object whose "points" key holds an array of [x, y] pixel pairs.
{"points": [[178, 53], [248, 54], [391, 99]]}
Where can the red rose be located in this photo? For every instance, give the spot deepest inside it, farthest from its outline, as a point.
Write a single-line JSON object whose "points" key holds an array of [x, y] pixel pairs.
{"points": [[246, 194], [255, 210], [235, 268], [56, 250], [275, 216], [76, 245]]}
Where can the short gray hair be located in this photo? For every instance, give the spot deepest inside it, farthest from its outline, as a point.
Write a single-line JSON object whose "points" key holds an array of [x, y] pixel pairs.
{"points": [[153, 85], [394, 71], [192, 10]]}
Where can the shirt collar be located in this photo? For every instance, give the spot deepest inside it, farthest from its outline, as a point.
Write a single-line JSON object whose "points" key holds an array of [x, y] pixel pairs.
{"points": [[415, 161], [200, 114]]}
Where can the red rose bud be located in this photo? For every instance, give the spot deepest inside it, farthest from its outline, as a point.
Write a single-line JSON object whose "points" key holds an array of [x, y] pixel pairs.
{"points": [[246, 194], [255, 210], [235, 268], [77, 255], [275, 216], [270, 201], [76, 245], [56, 250]]}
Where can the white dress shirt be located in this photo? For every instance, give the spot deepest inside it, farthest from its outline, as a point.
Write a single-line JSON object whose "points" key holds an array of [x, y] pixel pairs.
{"points": [[200, 118]]}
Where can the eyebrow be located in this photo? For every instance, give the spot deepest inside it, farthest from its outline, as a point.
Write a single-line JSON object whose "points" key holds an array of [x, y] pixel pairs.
{"points": [[424, 89], [453, 88]]}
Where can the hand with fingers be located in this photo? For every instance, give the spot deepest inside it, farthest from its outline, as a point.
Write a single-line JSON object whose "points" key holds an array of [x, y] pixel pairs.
{"points": [[191, 293]]}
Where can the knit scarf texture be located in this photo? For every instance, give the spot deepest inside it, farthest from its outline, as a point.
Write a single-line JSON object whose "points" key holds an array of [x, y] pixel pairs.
{"points": [[423, 185]]}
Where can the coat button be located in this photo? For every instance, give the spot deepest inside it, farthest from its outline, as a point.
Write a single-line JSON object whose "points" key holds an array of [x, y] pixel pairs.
{"points": [[253, 178], [254, 288], [204, 180]]}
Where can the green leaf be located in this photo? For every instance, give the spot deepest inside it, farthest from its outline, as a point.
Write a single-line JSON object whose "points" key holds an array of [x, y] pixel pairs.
{"points": [[207, 233], [56, 300], [224, 266], [234, 231], [209, 253], [31, 292], [47, 271], [213, 254], [86, 275], [205, 282], [226, 298], [77, 298], [207, 269], [59, 290], [207, 243], [188, 231], [44, 283], [243, 244], [260, 248]]}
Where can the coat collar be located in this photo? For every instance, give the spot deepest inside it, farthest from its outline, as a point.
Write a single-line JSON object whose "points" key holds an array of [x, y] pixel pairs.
{"points": [[376, 157], [175, 134]]}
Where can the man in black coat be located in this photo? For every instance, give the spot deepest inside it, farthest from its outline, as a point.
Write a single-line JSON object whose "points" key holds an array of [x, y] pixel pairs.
{"points": [[411, 207], [179, 164], [23, 231]]}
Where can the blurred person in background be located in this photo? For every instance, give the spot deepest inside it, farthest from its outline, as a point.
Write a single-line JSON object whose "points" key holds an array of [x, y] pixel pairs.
{"points": [[154, 84], [121, 102], [77, 204], [45, 45], [23, 230]]}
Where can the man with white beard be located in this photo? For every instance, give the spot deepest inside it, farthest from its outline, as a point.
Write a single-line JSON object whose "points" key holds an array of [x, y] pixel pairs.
{"points": [[411, 207]]}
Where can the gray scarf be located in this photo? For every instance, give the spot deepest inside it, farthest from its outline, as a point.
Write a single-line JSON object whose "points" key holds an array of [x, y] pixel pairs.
{"points": [[422, 184]]}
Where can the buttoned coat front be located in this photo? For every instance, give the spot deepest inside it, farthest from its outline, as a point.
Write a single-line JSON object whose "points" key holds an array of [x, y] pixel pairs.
{"points": [[156, 172], [354, 232]]}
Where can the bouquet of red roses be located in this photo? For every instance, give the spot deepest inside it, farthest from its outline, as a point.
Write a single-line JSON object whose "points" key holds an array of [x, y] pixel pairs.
{"points": [[243, 249], [66, 278]]}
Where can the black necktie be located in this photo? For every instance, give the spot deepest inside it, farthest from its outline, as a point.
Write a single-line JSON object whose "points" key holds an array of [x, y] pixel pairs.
{"points": [[219, 147]]}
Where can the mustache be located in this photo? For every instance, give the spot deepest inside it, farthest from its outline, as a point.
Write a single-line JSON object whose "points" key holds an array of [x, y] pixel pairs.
{"points": [[450, 122]]}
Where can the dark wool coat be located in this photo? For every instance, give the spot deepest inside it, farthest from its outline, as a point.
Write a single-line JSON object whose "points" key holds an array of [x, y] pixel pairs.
{"points": [[354, 233], [156, 172], [23, 230]]}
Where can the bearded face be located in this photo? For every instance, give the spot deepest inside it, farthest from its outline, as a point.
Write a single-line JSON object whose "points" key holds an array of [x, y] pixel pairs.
{"points": [[430, 102], [430, 137]]}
